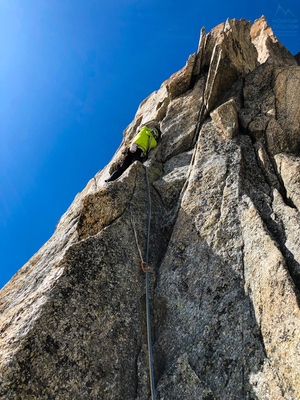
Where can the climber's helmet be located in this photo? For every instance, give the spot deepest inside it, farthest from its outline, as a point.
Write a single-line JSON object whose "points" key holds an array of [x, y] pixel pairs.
{"points": [[155, 132]]}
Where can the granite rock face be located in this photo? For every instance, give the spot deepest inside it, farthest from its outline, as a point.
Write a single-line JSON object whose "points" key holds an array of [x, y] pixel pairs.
{"points": [[224, 247]]}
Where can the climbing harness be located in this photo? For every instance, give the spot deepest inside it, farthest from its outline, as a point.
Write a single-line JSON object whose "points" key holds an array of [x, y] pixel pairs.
{"points": [[148, 308]]}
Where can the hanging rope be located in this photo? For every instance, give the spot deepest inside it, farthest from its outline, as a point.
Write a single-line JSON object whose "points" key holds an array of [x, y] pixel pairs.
{"points": [[143, 263], [146, 268], [148, 308]]}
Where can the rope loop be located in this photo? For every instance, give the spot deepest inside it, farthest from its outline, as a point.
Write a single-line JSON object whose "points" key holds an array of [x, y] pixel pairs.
{"points": [[143, 266]]}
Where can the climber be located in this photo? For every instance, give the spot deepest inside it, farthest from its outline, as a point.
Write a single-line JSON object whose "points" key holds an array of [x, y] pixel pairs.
{"points": [[142, 143]]}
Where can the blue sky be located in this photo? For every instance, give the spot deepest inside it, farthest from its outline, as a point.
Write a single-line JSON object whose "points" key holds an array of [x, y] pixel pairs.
{"points": [[72, 74]]}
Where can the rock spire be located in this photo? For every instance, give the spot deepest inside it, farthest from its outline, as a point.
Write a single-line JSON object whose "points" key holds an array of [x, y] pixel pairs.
{"points": [[224, 247]]}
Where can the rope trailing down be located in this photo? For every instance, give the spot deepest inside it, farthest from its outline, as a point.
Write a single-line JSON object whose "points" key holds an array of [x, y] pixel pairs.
{"points": [[143, 263], [148, 308]]}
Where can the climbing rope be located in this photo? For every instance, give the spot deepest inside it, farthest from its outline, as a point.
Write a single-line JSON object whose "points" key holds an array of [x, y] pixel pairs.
{"points": [[143, 263], [148, 308], [137, 241], [146, 269]]}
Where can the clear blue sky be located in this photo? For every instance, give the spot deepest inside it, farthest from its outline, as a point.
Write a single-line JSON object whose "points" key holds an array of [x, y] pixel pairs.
{"points": [[72, 74]]}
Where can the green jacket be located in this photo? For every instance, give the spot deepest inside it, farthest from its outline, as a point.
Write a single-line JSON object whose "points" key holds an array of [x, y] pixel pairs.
{"points": [[144, 140]]}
